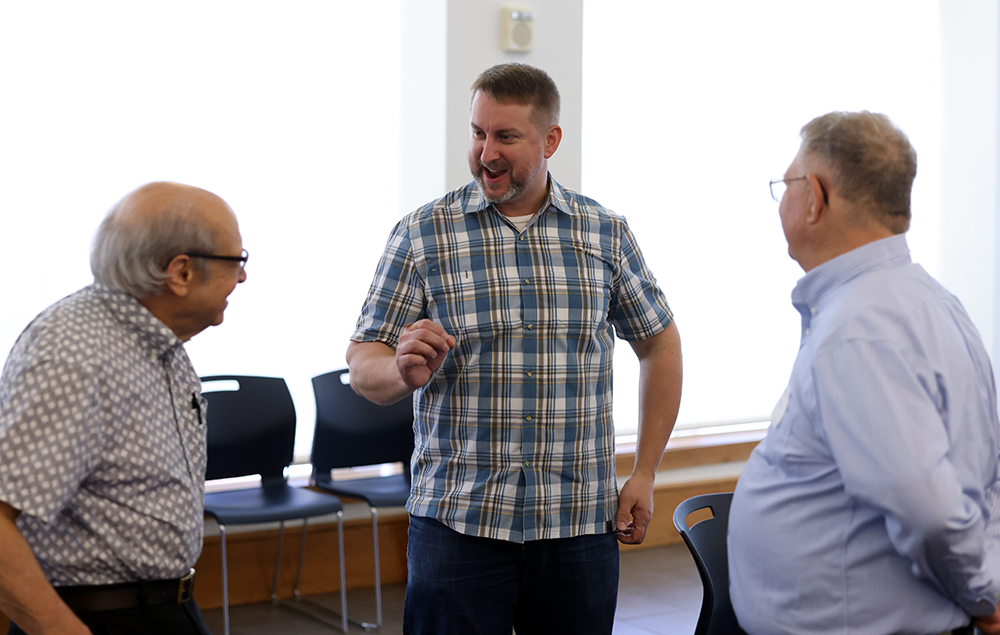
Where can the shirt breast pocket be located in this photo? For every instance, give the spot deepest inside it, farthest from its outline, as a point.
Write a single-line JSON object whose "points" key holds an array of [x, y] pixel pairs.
{"points": [[793, 441], [579, 298], [459, 292]]}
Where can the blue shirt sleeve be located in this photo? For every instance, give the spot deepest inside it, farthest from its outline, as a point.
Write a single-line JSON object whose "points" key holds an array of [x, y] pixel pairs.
{"points": [[396, 295], [887, 426], [639, 309]]}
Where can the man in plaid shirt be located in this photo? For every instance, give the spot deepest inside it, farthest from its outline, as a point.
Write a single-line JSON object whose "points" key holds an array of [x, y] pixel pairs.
{"points": [[496, 307]]}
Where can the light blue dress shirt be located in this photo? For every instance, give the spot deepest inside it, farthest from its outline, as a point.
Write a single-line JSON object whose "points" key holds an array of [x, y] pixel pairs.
{"points": [[871, 505]]}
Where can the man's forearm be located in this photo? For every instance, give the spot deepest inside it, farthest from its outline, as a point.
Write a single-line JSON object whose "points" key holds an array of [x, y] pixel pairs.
{"points": [[660, 374], [374, 374], [26, 596]]}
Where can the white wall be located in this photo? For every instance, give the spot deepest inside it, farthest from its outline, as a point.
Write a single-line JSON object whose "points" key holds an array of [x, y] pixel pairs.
{"points": [[473, 42], [446, 45]]}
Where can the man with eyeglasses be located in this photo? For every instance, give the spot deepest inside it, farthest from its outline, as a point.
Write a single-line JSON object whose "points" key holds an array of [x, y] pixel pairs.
{"points": [[102, 435], [871, 507]]}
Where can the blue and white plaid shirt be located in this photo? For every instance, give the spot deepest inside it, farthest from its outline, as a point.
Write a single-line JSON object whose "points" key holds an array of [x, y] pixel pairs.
{"points": [[514, 434]]}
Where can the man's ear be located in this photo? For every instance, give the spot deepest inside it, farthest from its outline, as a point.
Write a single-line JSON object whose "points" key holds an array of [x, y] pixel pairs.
{"points": [[552, 139], [817, 198], [180, 275]]}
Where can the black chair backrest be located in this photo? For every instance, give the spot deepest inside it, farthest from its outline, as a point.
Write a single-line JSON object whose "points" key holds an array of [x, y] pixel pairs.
{"points": [[707, 542], [352, 431], [251, 429]]}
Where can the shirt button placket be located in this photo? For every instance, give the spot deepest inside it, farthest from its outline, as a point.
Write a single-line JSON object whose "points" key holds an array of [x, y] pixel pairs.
{"points": [[528, 269]]}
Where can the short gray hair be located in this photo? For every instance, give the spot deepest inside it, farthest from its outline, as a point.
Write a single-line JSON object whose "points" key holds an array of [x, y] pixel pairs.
{"points": [[131, 255], [872, 160]]}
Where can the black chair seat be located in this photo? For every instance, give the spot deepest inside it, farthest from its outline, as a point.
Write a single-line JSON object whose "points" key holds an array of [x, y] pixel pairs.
{"points": [[268, 504], [378, 491]]}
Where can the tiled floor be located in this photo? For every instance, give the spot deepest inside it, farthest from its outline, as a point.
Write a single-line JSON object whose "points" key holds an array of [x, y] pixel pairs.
{"points": [[660, 594]]}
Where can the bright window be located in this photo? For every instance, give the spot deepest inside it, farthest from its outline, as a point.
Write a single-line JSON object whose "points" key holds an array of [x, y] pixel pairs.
{"points": [[289, 111], [689, 109]]}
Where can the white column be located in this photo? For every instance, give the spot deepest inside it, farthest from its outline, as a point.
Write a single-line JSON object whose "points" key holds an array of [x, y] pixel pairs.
{"points": [[446, 45]]}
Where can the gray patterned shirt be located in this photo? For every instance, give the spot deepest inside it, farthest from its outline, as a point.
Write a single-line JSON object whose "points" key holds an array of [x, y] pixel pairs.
{"points": [[102, 442]]}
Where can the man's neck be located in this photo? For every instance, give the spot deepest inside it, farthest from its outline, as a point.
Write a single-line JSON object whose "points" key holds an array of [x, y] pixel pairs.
{"points": [[530, 203], [846, 243]]}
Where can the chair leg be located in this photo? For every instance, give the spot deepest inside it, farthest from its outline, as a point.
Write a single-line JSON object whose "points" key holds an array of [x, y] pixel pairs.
{"points": [[225, 581], [300, 602], [343, 572], [277, 562], [378, 569], [302, 555]]}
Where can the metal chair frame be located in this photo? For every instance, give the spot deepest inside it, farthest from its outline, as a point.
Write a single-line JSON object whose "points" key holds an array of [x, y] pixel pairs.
{"points": [[262, 442], [352, 432]]}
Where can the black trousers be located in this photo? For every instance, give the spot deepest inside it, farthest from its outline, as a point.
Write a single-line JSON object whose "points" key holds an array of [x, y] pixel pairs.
{"points": [[162, 619]]}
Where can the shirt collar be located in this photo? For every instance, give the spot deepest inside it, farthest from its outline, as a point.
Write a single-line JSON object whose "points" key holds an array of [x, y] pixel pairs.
{"points": [[556, 198], [154, 336], [873, 256]]}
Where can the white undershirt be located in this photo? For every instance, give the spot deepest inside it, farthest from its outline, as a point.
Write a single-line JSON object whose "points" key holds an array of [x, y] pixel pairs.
{"points": [[521, 222]]}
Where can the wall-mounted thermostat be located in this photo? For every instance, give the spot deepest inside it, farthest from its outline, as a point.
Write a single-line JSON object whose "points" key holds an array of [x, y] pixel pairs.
{"points": [[518, 29]]}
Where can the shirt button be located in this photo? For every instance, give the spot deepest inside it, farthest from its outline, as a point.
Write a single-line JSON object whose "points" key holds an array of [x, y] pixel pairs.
{"points": [[527, 281], [527, 464], [521, 237], [531, 327], [528, 418], [812, 310], [531, 373], [807, 331]]}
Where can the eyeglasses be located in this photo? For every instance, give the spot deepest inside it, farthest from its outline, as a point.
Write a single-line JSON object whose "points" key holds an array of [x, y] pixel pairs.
{"points": [[778, 186], [242, 259]]}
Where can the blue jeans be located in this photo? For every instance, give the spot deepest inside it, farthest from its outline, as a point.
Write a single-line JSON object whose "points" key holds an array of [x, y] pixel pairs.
{"points": [[464, 585]]}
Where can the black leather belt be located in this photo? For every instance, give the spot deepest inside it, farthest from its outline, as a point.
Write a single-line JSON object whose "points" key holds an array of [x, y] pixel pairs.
{"points": [[110, 597]]}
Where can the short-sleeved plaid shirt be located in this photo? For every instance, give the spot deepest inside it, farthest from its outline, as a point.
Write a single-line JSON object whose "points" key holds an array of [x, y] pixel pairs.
{"points": [[514, 434]]}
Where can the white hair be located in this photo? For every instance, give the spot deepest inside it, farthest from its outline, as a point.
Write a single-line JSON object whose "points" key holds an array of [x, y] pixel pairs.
{"points": [[131, 255]]}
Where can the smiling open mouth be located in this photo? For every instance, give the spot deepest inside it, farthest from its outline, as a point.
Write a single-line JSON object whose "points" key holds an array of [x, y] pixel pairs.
{"points": [[493, 174]]}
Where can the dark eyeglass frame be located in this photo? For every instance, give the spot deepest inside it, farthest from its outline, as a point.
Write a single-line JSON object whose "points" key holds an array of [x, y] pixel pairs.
{"points": [[242, 258]]}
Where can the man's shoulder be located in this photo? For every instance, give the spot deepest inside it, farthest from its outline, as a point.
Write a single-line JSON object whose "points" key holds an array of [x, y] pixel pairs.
{"points": [[455, 203], [899, 304], [74, 329], [444, 215], [897, 291], [581, 205]]}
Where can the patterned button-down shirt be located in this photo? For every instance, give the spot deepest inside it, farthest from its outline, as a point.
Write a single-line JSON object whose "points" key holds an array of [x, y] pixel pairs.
{"points": [[102, 442], [514, 434]]}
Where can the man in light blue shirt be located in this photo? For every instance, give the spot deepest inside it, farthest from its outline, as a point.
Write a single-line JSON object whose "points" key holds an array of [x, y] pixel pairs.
{"points": [[871, 507]]}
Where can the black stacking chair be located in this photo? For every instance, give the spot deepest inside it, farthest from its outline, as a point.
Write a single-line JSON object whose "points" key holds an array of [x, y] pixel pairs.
{"points": [[706, 540], [352, 432], [251, 430]]}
